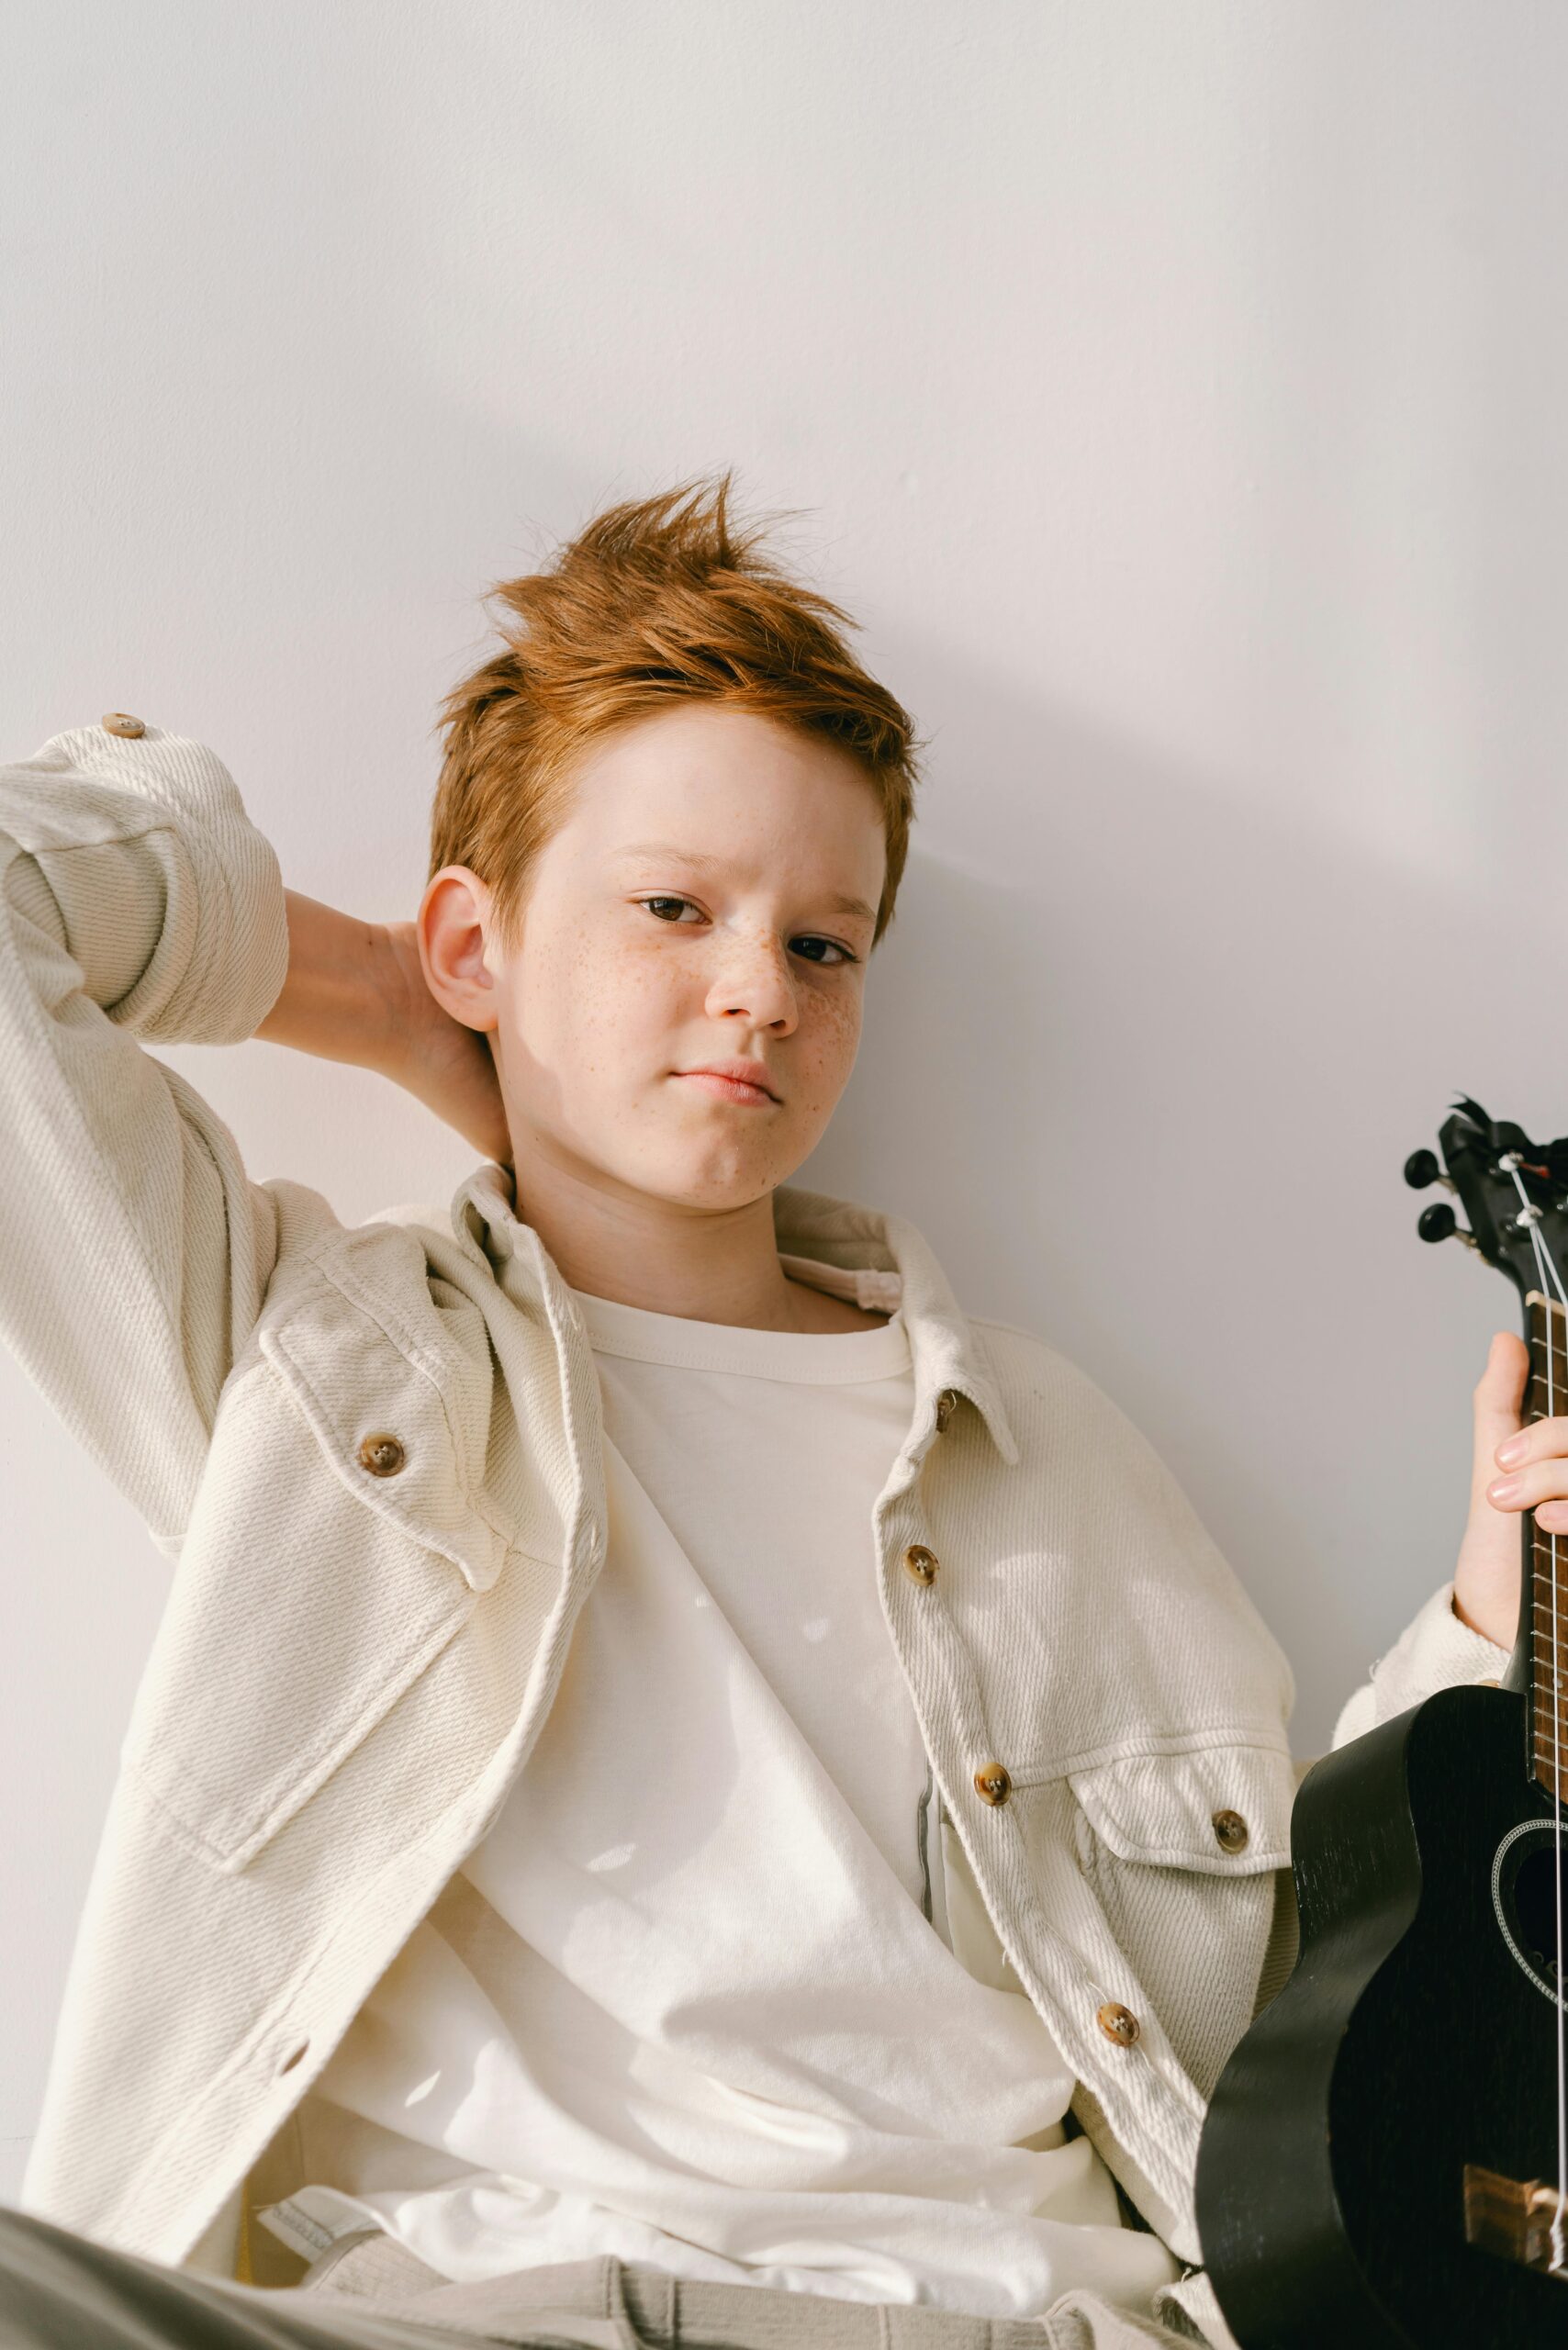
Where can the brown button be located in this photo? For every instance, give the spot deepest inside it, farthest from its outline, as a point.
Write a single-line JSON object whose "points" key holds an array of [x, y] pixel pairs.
{"points": [[1118, 2023], [921, 1563], [1231, 1832], [119, 722], [994, 1782], [946, 1404], [383, 1455]]}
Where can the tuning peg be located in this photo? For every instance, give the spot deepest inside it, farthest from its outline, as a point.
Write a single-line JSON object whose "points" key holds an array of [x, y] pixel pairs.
{"points": [[1440, 1222], [1421, 1169]]}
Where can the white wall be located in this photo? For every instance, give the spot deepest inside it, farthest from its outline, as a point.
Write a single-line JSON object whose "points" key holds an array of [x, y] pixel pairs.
{"points": [[1177, 392]]}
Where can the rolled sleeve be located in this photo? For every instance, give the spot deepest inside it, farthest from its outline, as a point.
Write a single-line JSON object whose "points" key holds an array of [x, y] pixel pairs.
{"points": [[1436, 1651]]}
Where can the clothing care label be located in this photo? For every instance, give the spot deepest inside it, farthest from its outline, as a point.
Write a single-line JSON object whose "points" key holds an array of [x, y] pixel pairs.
{"points": [[311, 2221]]}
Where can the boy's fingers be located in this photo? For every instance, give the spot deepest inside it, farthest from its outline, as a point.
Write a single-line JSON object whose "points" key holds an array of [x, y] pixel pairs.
{"points": [[1541, 1440], [1499, 1393], [1542, 1480]]}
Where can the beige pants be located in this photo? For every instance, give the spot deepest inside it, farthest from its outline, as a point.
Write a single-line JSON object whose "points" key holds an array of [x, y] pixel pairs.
{"points": [[644, 2309], [60, 2291]]}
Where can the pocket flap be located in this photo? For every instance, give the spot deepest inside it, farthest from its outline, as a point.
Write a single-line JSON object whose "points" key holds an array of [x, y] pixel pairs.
{"points": [[1224, 1809], [358, 1387]]}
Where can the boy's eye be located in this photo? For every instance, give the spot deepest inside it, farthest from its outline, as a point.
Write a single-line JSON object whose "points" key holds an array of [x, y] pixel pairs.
{"points": [[823, 952]]}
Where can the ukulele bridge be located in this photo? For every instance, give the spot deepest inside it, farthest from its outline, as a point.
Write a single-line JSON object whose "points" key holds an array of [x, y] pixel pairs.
{"points": [[1520, 2219]]}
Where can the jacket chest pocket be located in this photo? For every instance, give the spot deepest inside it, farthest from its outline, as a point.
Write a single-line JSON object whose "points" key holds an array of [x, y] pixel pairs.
{"points": [[1188, 1855], [335, 1551]]}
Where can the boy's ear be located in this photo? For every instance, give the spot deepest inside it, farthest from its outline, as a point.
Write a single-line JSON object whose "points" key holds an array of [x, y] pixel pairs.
{"points": [[455, 925]]}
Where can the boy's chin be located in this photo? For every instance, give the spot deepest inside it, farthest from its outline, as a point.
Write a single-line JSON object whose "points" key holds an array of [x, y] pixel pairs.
{"points": [[707, 1189]]}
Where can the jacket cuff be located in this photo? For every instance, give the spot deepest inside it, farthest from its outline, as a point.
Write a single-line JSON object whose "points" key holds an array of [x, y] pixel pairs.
{"points": [[1436, 1651], [218, 941]]}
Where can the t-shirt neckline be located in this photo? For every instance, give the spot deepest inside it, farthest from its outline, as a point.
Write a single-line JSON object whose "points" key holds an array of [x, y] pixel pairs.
{"points": [[812, 1358]]}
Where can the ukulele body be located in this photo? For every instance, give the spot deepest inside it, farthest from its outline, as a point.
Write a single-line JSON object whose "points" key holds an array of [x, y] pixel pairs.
{"points": [[1417, 2036]]}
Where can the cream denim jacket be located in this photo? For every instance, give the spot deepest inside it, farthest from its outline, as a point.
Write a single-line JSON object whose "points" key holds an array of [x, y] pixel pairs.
{"points": [[372, 1454]]}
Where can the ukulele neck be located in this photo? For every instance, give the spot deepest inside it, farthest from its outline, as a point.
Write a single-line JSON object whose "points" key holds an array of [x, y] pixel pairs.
{"points": [[1543, 1619]]}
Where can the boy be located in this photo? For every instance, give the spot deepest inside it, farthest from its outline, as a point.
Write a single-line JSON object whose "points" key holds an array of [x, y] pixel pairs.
{"points": [[565, 1881]]}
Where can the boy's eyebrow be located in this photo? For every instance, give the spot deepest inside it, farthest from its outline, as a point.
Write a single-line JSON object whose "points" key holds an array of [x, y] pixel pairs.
{"points": [[701, 861]]}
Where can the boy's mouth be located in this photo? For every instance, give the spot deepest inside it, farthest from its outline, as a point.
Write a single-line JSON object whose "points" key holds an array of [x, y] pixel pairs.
{"points": [[739, 1081]]}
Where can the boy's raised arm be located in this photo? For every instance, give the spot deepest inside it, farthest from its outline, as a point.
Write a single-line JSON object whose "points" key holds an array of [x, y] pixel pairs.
{"points": [[138, 905], [356, 991]]}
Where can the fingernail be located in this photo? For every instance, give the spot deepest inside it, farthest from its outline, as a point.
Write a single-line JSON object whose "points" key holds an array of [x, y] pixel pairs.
{"points": [[1504, 1490], [1506, 1454]]}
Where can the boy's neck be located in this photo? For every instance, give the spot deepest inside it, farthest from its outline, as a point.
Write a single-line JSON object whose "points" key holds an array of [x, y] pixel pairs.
{"points": [[719, 1266]]}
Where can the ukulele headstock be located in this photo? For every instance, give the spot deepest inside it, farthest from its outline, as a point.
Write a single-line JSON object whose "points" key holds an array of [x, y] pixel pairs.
{"points": [[1514, 1194]]}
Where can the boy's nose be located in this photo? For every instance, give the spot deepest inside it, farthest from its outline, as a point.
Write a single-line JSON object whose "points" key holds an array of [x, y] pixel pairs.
{"points": [[756, 984]]}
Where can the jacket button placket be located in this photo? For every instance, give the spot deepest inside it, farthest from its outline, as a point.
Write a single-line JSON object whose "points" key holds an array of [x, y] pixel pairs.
{"points": [[920, 1561]]}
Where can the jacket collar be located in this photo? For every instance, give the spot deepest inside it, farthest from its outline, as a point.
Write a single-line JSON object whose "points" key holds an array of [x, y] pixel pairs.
{"points": [[946, 1351]]}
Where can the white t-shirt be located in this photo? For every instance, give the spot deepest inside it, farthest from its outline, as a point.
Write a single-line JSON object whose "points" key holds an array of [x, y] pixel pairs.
{"points": [[685, 2002]]}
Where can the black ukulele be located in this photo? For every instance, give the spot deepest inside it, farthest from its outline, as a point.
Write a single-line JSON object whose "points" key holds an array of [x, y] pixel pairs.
{"points": [[1385, 2164]]}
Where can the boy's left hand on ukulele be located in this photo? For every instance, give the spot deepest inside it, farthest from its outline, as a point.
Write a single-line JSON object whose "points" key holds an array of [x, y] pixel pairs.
{"points": [[1513, 1469]]}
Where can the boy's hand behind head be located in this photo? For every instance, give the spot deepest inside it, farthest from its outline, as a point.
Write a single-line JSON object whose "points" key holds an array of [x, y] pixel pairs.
{"points": [[445, 1065]]}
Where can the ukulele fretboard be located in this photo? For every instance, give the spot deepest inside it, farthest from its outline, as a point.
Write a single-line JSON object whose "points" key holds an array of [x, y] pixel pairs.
{"points": [[1547, 1397]]}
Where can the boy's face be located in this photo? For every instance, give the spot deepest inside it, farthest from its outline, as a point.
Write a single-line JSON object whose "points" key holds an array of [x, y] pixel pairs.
{"points": [[711, 898]]}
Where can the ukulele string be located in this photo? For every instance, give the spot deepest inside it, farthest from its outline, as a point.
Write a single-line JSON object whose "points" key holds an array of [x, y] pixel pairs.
{"points": [[1550, 1279]]}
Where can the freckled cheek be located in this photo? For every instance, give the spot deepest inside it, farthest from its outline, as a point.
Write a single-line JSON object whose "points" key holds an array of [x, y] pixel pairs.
{"points": [[825, 1047], [608, 1010]]}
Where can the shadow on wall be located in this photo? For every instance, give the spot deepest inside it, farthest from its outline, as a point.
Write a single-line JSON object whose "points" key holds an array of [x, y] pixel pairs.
{"points": [[1150, 1097]]}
